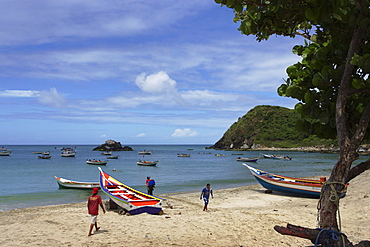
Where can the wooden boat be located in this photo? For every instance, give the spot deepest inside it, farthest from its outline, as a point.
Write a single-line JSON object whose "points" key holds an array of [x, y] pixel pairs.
{"points": [[131, 200], [5, 152], [183, 155], [66, 183], [45, 157], [107, 153], [96, 162], [293, 186], [145, 152], [277, 157], [147, 163], [68, 152], [112, 157], [247, 159]]}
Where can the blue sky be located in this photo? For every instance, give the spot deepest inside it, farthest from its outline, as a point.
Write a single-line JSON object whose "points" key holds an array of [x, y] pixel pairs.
{"points": [[138, 72]]}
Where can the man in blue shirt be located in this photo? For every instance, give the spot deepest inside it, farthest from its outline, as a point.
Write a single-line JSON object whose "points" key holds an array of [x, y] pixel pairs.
{"points": [[206, 192]]}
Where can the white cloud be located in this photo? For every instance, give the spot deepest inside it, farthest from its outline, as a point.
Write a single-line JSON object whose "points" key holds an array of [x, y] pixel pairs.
{"points": [[184, 133], [156, 83], [141, 135], [103, 135], [19, 93], [52, 98]]}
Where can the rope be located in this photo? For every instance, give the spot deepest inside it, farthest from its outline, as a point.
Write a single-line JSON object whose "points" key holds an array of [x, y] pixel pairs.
{"points": [[334, 197], [328, 234]]}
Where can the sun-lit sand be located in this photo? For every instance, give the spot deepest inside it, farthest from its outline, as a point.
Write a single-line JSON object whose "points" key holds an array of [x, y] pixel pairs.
{"points": [[242, 216]]}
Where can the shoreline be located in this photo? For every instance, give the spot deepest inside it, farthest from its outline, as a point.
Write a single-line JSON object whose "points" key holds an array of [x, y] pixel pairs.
{"points": [[241, 216]]}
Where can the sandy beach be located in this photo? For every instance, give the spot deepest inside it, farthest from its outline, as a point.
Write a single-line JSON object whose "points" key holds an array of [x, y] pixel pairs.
{"points": [[242, 216]]}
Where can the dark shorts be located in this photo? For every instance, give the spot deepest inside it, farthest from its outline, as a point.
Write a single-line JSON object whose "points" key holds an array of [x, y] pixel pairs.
{"points": [[206, 200]]}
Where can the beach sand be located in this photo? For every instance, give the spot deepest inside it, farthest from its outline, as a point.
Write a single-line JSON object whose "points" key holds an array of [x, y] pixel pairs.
{"points": [[242, 216]]}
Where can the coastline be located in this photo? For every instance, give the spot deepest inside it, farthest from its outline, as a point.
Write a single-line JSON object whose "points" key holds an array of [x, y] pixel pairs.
{"points": [[243, 216]]}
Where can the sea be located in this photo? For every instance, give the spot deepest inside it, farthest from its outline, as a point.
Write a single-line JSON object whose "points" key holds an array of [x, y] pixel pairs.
{"points": [[27, 181]]}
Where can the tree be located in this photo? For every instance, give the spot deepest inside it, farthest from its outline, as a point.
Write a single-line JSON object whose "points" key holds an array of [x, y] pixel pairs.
{"points": [[331, 83]]}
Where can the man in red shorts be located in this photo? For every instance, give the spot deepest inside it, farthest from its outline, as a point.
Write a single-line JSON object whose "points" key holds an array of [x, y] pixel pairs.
{"points": [[93, 204]]}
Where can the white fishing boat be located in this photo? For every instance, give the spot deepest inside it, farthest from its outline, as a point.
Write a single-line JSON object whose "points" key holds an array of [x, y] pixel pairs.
{"points": [[147, 163], [5, 151], [96, 162], [66, 183], [68, 152]]}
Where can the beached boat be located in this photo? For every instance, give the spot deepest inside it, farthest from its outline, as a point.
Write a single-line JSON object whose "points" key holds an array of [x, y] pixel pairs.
{"points": [[112, 157], [254, 159], [147, 163], [68, 152], [131, 200], [45, 157], [145, 152], [66, 183], [293, 186], [96, 162], [183, 155]]}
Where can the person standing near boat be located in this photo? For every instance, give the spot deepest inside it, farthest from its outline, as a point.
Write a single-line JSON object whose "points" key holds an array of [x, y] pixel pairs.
{"points": [[93, 203], [150, 184], [206, 192]]}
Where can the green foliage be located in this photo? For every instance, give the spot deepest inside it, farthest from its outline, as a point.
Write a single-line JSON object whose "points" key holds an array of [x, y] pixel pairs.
{"points": [[270, 126], [329, 27]]}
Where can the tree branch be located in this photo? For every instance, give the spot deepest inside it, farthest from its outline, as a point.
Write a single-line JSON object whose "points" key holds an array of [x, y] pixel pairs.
{"points": [[357, 170]]}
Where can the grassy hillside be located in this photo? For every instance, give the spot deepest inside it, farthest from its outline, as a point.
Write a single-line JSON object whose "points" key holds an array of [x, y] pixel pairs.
{"points": [[269, 126]]}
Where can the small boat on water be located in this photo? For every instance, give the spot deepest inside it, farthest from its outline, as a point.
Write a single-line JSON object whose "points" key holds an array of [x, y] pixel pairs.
{"points": [[5, 151], [68, 152], [145, 152], [107, 153], [147, 163], [66, 183], [112, 157], [241, 159], [220, 155], [183, 155], [276, 157], [293, 186], [45, 157], [131, 200], [96, 162]]}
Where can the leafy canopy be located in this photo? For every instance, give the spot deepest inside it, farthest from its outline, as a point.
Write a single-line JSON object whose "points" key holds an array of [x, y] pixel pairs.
{"points": [[328, 27]]}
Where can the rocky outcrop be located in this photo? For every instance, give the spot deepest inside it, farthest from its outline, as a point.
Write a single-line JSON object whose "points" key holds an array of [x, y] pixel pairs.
{"points": [[111, 145]]}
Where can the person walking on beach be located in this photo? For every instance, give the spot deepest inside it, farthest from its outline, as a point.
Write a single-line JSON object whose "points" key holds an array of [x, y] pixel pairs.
{"points": [[93, 203], [206, 192], [150, 184]]}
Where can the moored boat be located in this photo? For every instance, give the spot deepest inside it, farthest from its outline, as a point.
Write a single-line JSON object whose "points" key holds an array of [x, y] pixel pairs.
{"points": [[145, 152], [220, 155], [96, 162], [45, 157], [293, 186], [131, 200], [112, 157], [277, 157], [241, 159], [107, 153], [68, 152], [147, 163], [183, 155], [5, 151], [66, 183]]}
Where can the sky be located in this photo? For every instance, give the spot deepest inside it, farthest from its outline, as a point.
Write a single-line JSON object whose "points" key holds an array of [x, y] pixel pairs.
{"points": [[134, 71]]}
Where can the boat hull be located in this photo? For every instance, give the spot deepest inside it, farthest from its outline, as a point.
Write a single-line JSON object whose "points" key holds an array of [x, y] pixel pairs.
{"points": [[292, 186], [147, 163], [70, 184], [131, 200]]}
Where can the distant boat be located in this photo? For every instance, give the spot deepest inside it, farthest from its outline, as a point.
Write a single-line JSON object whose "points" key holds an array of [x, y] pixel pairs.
{"points": [[131, 200], [5, 152], [147, 163], [277, 157], [183, 155], [255, 159], [288, 185], [220, 155], [107, 153], [96, 162], [145, 152], [37, 152], [46, 157], [112, 157], [46, 152], [66, 183], [237, 154], [68, 152]]}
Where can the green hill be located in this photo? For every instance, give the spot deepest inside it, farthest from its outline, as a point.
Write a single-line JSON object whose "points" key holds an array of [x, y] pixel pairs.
{"points": [[267, 126]]}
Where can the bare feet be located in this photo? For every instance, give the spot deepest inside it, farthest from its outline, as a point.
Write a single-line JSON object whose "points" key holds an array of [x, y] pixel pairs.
{"points": [[97, 229], [90, 234]]}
